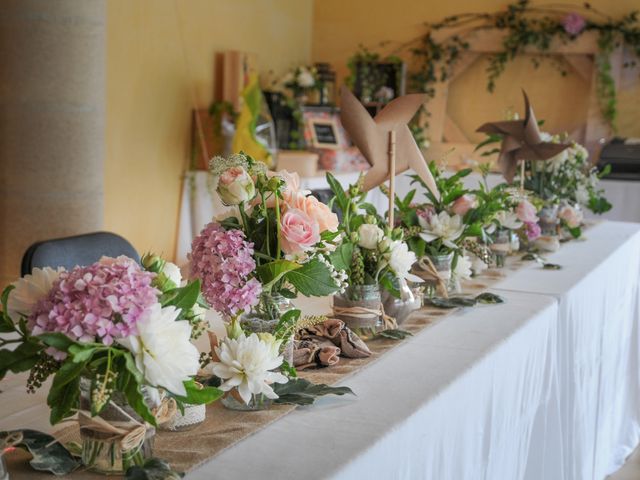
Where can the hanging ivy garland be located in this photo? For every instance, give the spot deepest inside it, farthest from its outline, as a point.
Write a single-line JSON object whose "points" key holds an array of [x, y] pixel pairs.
{"points": [[526, 27]]}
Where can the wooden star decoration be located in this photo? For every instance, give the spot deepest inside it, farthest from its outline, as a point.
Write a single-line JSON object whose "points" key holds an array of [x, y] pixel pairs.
{"points": [[521, 140], [371, 136]]}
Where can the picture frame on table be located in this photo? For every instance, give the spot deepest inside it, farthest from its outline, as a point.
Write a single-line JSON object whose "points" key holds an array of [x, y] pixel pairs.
{"points": [[324, 133]]}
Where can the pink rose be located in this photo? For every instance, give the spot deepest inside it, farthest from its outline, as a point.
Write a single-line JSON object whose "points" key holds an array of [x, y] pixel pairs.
{"points": [[315, 209], [532, 230], [299, 231], [572, 216], [574, 23], [235, 186], [526, 212], [463, 204]]}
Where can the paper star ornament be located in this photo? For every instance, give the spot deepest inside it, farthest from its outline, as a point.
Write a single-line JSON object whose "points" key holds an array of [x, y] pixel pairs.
{"points": [[371, 136], [521, 140]]}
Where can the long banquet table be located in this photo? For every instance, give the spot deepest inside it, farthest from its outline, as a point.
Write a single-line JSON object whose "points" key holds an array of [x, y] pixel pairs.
{"points": [[544, 386]]}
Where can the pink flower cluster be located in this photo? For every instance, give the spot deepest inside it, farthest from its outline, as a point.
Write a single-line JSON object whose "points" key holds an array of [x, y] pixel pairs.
{"points": [[532, 230], [222, 260], [101, 302]]}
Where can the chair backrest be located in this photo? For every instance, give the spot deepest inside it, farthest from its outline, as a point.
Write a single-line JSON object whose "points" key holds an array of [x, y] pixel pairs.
{"points": [[77, 250]]}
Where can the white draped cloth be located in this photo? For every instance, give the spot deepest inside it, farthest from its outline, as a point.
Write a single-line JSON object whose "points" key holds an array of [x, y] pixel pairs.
{"points": [[544, 386]]}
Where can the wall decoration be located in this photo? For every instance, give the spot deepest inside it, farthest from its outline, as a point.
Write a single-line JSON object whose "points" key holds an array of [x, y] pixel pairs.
{"points": [[324, 133]]}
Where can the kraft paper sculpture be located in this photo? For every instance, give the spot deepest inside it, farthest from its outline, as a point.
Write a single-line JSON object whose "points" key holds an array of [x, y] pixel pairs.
{"points": [[521, 140]]}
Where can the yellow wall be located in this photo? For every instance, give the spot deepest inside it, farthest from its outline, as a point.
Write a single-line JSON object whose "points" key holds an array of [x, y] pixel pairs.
{"points": [[148, 102], [340, 26]]}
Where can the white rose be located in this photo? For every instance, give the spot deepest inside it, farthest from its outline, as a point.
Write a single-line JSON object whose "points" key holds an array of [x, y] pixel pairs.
{"points": [[236, 186], [172, 272], [163, 350], [369, 235], [29, 290], [401, 259]]}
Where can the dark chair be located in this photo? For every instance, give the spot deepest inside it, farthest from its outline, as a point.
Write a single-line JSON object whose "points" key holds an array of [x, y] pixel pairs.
{"points": [[77, 250]]}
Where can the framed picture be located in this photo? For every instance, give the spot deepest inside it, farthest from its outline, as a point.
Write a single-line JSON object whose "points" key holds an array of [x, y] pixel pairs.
{"points": [[324, 133]]}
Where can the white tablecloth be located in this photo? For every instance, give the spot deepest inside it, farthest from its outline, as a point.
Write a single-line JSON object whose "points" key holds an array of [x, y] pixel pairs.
{"points": [[598, 339], [470, 397], [544, 386]]}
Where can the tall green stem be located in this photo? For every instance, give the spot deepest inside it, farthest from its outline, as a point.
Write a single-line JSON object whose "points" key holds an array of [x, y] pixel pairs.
{"points": [[278, 228]]}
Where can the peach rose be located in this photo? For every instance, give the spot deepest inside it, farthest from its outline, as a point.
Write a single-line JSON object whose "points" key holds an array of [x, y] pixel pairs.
{"points": [[299, 231], [318, 211], [526, 212], [463, 204]]}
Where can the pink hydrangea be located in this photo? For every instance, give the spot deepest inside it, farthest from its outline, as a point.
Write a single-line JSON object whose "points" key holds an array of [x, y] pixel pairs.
{"points": [[532, 230], [101, 302], [223, 260]]}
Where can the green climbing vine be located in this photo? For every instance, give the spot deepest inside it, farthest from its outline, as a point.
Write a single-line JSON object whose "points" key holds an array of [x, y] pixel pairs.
{"points": [[526, 27]]}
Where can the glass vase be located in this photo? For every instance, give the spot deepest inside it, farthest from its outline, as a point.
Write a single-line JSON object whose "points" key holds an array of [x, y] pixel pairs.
{"points": [[265, 316], [359, 307], [104, 450], [400, 308], [442, 264], [501, 246], [548, 220], [233, 401]]}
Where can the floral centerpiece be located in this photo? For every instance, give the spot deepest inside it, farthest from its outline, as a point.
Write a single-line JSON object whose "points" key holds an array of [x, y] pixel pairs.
{"points": [[116, 336], [376, 260], [568, 183], [437, 229], [274, 245]]}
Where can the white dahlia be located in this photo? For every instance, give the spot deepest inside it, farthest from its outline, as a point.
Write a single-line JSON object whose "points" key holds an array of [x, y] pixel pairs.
{"points": [[29, 290]]}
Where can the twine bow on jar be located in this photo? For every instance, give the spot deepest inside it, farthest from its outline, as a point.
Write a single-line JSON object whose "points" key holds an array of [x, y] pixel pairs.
{"points": [[365, 313], [429, 272], [130, 433]]}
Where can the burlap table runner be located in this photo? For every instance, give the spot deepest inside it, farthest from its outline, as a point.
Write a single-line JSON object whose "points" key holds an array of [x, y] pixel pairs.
{"points": [[223, 428]]}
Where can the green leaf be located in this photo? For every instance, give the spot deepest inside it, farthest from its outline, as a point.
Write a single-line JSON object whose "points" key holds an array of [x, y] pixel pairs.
{"points": [[59, 341], [451, 302], [575, 232], [271, 272], [131, 367], [286, 293], [183, 298], [65, 401], [82, 353], [313, 279], [489, 298], [552, 266], [298, 391], [49, 455], [341, 257], [338, 191], [152, 469], [65, 390], [395, 334], [199, 396], [23, 358], [137, 402], [6, 323]]}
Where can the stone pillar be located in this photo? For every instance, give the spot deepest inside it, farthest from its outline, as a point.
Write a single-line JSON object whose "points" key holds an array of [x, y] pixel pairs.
{"points": [[52, 116]]}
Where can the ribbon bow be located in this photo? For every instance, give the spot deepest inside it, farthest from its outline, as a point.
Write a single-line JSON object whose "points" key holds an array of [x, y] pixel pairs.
{"points": [[521, 140], [428, 271]]}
